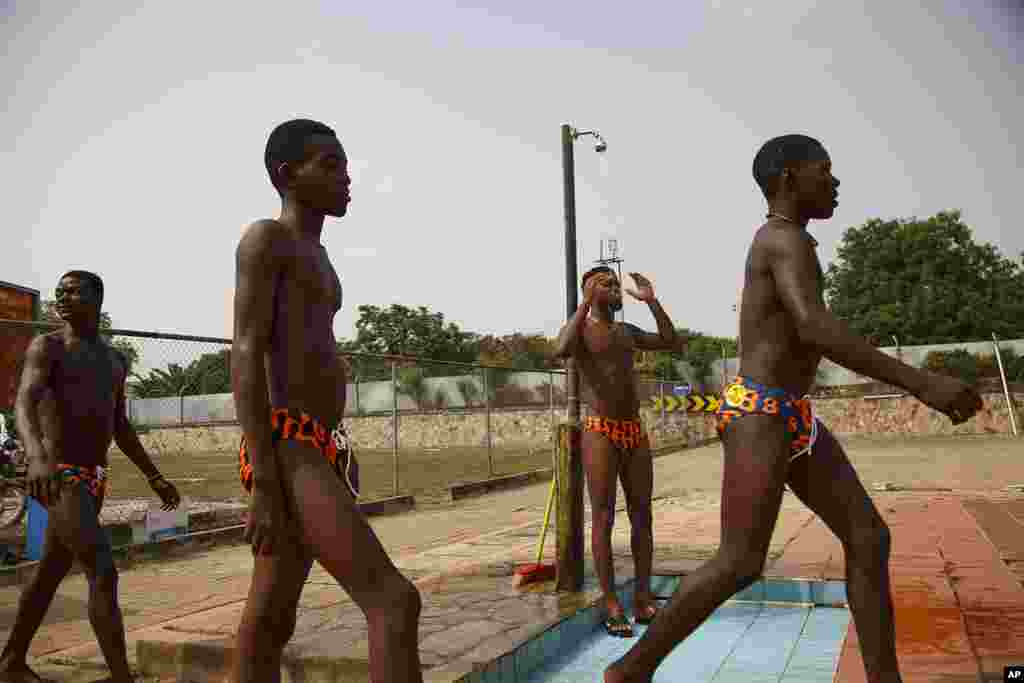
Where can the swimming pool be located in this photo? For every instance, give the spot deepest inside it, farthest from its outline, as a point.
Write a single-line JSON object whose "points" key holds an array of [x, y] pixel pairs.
{"points": [[777, 630]]}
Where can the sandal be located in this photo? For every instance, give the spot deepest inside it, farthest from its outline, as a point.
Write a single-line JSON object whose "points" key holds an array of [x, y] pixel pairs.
{"points": [[618, 626]]}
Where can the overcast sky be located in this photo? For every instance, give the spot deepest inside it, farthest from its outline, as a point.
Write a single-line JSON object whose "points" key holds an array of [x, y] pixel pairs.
{"points": [[135, 141]]}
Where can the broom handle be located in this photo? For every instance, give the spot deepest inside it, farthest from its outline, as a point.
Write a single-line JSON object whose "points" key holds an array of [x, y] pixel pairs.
{"points": [[547, 518]]}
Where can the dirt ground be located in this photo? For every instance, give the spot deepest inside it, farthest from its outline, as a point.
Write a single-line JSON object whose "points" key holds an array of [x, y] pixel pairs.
{"points": [[425, 474], [962, 462], [421, 473]]}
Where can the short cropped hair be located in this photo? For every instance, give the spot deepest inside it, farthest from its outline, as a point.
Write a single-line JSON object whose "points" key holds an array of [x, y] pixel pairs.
{"points": [[287, 143], [592, 272], [94, 280], [779, 154]]}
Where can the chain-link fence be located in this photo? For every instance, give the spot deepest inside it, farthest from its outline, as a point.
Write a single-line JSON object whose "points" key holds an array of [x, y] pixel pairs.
{"points": [[178, 388], [422, 425], [419, 425]]}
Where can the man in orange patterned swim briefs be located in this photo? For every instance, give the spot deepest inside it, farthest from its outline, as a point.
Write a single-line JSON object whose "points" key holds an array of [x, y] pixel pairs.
{"points": [[615, 445], [289, 387]]}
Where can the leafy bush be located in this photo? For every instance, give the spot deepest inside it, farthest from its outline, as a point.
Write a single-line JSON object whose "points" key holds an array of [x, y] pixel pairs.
{"points": [[412, 383], [972, 367], [956, 363], [469, 391]]}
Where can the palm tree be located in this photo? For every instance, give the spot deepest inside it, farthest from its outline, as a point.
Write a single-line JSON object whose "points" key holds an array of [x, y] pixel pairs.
{"points": [[162, 383]]}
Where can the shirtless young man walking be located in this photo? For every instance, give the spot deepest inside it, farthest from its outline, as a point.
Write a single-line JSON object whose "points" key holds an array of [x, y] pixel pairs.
{"points": [[770, 435], [289, 388], [614, 443], [70, 406]]}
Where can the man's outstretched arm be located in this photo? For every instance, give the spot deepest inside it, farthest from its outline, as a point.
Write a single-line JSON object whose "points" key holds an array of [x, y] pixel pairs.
{"points": [[795, 270], [127, 439]]}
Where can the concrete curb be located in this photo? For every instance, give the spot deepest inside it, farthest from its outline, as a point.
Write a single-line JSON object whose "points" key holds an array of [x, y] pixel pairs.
{"points": [[472, 489], [478, 488], [201, 662], [127, 554], [388, 506]]}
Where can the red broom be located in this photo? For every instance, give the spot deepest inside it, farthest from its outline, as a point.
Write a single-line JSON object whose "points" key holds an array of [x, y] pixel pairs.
{"points": [[533, 573]]}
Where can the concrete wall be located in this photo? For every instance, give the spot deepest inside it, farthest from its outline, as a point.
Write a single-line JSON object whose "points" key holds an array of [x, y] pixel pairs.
{"points": [[524, 428], [907, 415], [366, 398], [533, 428]]}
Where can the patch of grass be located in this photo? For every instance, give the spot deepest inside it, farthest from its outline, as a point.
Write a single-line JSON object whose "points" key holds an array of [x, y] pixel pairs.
{"points": [[421, 473]]}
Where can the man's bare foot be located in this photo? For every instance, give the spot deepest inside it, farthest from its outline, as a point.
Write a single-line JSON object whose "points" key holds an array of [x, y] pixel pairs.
{"points": [[615, 674], [644, 608], [17, 672]]}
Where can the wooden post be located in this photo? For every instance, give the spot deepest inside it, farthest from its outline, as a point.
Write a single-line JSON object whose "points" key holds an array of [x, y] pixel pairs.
{"points": [[569, 481]]}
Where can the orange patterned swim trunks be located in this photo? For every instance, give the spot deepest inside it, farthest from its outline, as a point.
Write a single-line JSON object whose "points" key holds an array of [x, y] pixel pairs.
{"points": [[624, 434], [334, 446], [746, 397]]}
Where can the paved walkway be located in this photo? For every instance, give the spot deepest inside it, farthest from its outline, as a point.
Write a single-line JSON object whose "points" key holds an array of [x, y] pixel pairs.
{"points": [[959, 605], [466, 586], [957, 568]]}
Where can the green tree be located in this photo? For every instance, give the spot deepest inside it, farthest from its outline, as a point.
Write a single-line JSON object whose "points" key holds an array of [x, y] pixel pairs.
{"points": [[363, 369], [518, 351], [406, 331], [924, 282], [702, 350], [48, 314]]}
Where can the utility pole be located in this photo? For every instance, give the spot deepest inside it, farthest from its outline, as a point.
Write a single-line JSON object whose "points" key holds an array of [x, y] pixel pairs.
{"points": [[569, 468]]}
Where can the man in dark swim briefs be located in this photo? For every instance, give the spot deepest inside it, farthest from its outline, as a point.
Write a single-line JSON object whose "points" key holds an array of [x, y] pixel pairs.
{"points": [[614, 443], [770, 436], [70, 406]]}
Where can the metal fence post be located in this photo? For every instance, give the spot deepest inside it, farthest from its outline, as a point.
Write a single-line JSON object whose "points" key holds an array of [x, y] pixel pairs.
{"points": [[394, 422], [551, 408], [487, 423], [661, 395], [355, 383], [1006, 386]]}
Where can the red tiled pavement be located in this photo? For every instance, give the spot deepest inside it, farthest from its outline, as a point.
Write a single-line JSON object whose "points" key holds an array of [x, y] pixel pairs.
{"points": [[959, 610], [815, 553]]}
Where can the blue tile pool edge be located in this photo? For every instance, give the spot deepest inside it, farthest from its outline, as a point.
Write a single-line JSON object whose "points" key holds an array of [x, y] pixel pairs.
{"points": [[568, 632]]}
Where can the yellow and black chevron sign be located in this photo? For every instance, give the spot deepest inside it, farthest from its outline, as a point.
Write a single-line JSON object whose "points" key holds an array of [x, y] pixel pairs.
{"points": [[694, 403]]}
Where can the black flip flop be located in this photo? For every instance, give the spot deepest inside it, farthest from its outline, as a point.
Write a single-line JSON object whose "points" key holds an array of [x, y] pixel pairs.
{"points": [[618, 626], [647, 619]]}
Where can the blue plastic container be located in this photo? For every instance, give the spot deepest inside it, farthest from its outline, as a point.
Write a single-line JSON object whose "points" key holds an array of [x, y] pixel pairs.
{"points": [[38, 517]]}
